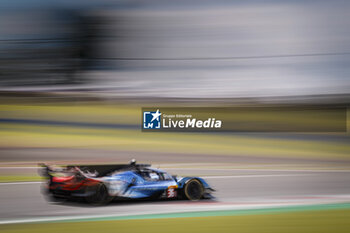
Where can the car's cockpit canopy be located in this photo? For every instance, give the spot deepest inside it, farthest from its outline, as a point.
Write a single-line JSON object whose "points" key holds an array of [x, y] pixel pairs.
{"points": [[154, 175]]}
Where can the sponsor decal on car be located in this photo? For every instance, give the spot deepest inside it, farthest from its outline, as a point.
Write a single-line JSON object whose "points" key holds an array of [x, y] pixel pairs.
{"points": [[171, 192]]}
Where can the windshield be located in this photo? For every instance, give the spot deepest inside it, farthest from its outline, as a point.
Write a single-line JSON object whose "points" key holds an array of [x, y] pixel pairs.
{"points": [[150, 176], [155, 176]]}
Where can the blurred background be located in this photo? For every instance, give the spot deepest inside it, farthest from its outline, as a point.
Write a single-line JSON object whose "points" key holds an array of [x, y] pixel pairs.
{"points": [[187, 49], [75, 74]]}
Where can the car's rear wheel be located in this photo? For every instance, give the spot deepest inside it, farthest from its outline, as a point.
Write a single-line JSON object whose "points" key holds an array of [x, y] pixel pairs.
{"points": [[193, 190], [99, 195]]}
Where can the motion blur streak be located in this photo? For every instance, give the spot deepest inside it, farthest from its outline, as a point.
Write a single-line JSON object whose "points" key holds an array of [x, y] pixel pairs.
{"points": [[74, 76], [189, 49]]}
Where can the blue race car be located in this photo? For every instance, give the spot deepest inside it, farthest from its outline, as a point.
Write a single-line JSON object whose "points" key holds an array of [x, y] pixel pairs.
{"points": [[100, 184]]}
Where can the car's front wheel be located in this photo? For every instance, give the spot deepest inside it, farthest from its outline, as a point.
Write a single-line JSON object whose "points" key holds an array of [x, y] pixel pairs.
{"points": [[193, 190]]}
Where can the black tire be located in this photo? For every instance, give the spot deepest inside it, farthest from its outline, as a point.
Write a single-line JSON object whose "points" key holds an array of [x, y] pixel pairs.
{"points": [[193, 190], [51, 197], [55, 199], [100, 195]]}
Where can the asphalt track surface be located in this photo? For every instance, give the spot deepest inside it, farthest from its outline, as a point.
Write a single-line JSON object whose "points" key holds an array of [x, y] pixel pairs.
{"points": [[235, 189]]}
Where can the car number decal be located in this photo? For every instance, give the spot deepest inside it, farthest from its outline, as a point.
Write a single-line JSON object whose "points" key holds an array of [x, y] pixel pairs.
{"points": [[171, 193]]}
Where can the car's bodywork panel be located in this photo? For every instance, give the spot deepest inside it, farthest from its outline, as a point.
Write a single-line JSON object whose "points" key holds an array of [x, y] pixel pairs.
{"points": [[129, 181]]}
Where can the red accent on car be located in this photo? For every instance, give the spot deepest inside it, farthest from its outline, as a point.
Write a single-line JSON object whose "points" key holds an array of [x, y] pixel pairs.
{"points": [[62, 178]]}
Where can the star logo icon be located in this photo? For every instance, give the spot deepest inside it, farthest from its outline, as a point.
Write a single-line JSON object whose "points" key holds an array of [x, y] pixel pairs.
{"points": [[156, 115], [151, 119]]}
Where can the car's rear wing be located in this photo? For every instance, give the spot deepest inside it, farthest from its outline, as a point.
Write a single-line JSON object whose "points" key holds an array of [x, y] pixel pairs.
{"points": [[99, 170], [104, 169], [46, 170]]}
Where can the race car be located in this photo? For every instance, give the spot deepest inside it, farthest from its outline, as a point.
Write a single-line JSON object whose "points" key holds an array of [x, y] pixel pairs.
{"points": [[100, 184]]}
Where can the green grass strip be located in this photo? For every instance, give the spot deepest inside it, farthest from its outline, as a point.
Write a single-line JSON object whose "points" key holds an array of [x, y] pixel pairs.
{"points": [[19, 178], [321, 221], [222, 212]]}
